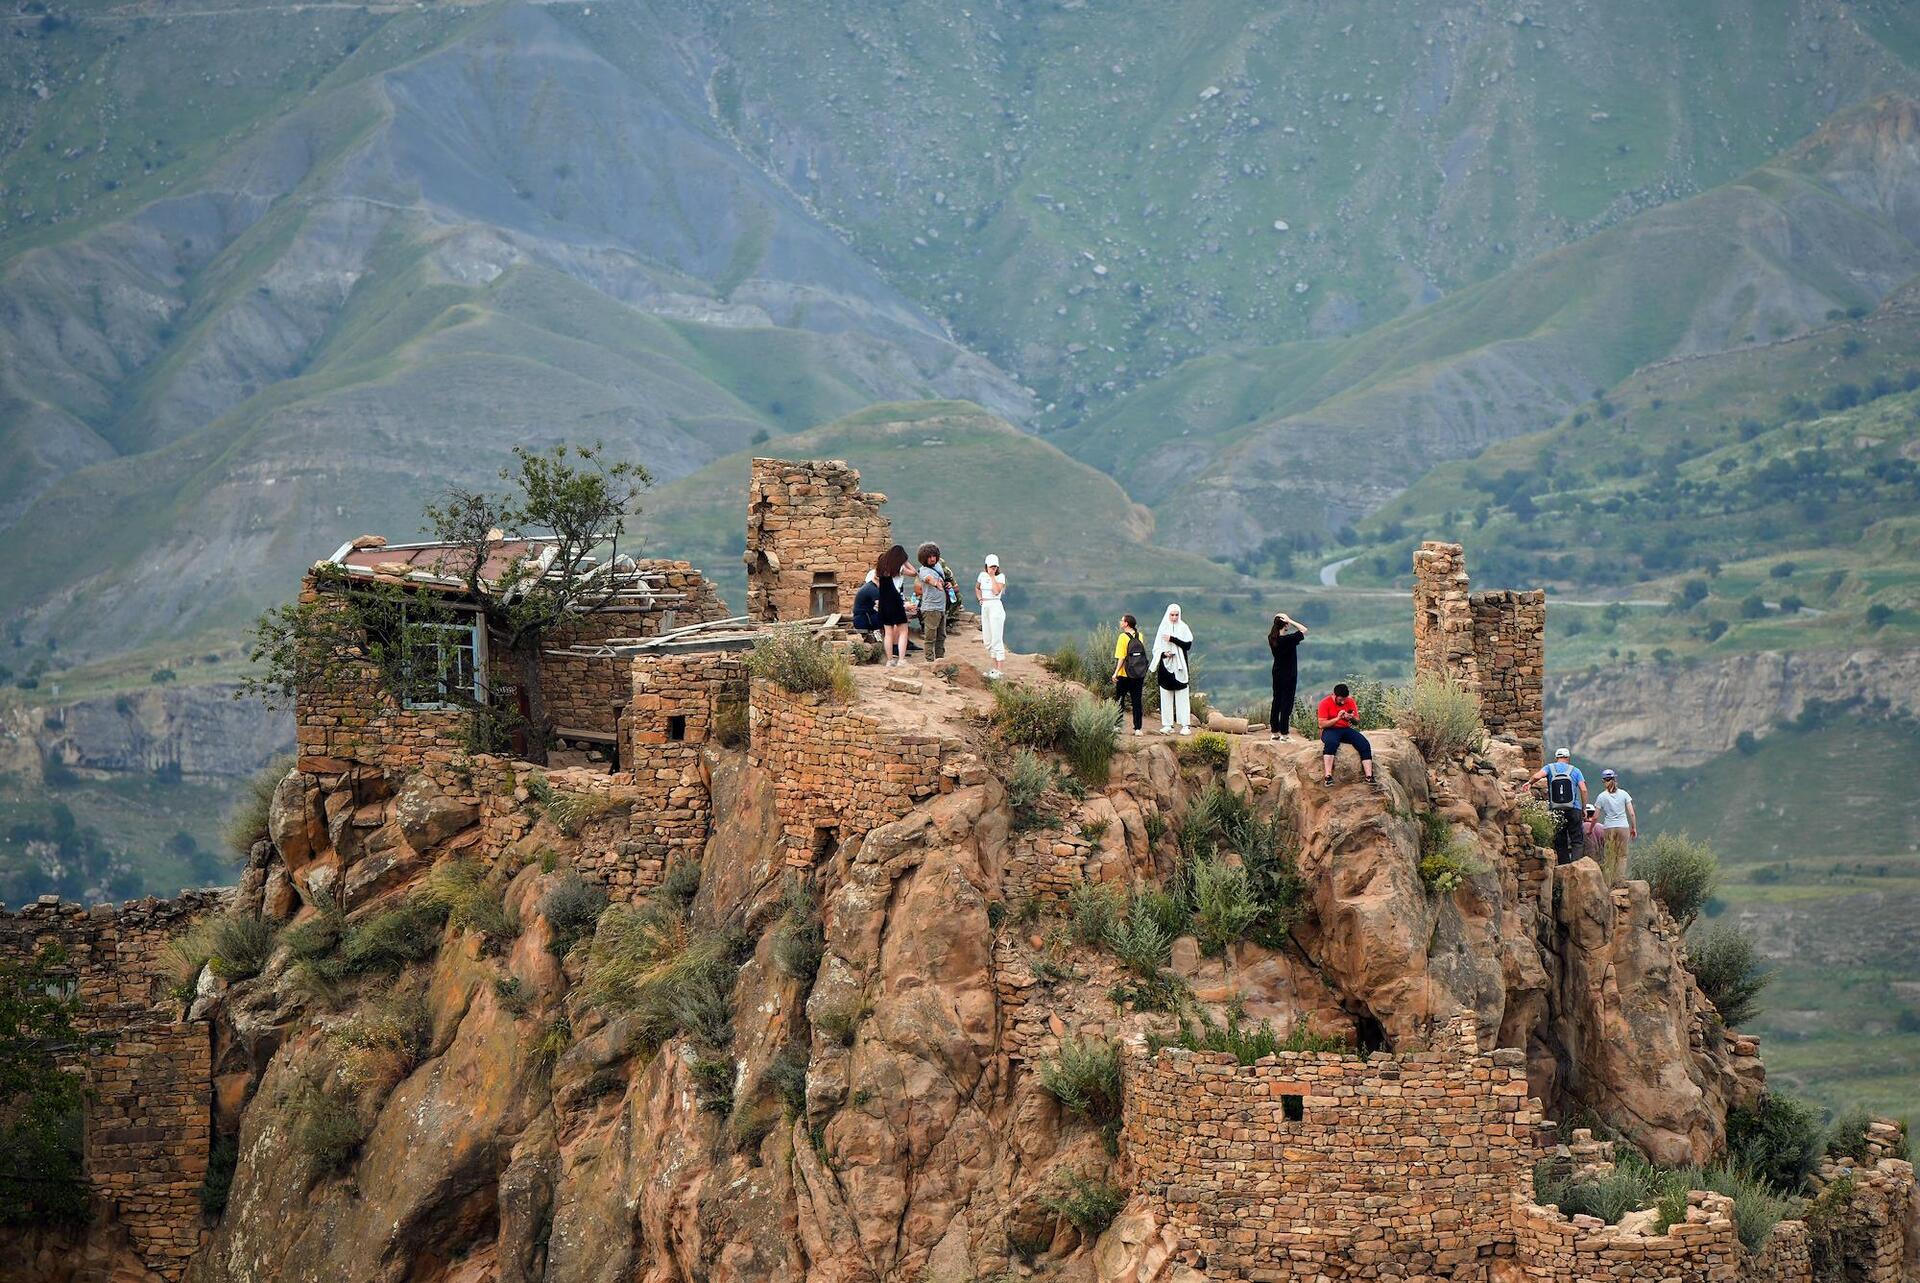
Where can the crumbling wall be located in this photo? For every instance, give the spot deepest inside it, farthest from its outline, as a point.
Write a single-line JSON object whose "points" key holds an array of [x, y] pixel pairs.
{"points": [[1704, 1249], [676, 705], [1306, 1165], [1493, 644], [149, 1113], [1887, 1203], [809, 526], [837, 773], [588, 693]]}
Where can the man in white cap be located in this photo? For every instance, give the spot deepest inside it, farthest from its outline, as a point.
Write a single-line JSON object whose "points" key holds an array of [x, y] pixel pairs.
{"points": [[989, 588], [1566, 797]]}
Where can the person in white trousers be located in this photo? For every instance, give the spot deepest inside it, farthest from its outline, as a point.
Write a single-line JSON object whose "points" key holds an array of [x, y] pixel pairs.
{"points": [[988, 590], [1170, 647]]}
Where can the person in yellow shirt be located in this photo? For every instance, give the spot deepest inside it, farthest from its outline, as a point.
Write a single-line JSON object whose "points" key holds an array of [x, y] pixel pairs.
{"points": [[1129, 668]]}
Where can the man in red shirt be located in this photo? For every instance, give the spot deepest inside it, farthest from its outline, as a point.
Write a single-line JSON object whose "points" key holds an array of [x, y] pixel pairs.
{"points": [[1339, 724]]}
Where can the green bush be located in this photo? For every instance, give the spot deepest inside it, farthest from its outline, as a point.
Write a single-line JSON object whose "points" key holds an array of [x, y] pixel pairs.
{"points": [[1093, 732], [796, 660], [1726, 964], [798, 940], [840, 1020], [1681, 872], [1249, 1045], [786, 1076], [1089, 1203], [1847, 1138], [383, 1042], [1085, 1079], [1027, 785], [713, 1078], [1224, 908], [1442, 717], [473, 901], [1167, 911], [246, 824], [1379, 704], [1779, 1140], [1540, 822], [1757, 1206], [392, 936], [235, 946], [647, 960], [569, 812], [571, 906], [217, 1186], [1092, 912], [1445, 861], [1208, 748], [678, 886], [1141, 944], [326, 1129], [1033, 716]]}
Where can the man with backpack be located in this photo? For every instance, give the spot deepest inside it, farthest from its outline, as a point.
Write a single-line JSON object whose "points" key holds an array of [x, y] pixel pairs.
{"points": [[1566, 799]]}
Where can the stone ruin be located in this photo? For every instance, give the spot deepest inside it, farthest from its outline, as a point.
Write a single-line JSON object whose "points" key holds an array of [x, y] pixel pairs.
{"points": [[1491, 643], [812, 535], [1412, 1164]]}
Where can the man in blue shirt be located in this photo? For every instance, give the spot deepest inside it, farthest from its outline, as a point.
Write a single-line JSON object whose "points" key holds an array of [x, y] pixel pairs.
{"points": [[1567, 799]]}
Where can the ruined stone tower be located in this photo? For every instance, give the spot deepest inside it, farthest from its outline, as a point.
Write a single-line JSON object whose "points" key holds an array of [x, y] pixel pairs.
{"points": [[812, 535], [1492, 643]]}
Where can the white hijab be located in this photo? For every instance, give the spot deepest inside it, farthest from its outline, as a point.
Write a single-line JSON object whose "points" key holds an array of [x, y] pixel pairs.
{"points": [[1170, 629]]}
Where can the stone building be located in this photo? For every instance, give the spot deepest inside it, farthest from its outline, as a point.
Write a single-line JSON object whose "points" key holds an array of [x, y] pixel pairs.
{"points": [[1491, 643], [147, 1130], [812, 535]]}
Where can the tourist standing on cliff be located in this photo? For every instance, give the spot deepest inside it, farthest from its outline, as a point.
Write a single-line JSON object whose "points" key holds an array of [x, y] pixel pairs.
{"points": [[1129, 668], [866, 607], [893, 606], [1619, 824], [1172, 646], [933, 602], [1566, 795], [989, 589], [1593, 838], [1284, 639], [1339, 718]]}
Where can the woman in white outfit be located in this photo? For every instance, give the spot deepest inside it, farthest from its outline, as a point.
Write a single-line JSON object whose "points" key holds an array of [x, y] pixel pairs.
{"points": [[988, 590], [1171, 645]]}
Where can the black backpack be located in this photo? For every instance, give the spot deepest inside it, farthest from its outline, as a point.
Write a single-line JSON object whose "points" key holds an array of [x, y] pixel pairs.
{"points": [[1136, 661], [1562, 793]]}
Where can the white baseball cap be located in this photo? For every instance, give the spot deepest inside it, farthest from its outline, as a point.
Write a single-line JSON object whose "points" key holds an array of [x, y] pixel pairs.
{"points": [[1561, 752], [993, 561]]}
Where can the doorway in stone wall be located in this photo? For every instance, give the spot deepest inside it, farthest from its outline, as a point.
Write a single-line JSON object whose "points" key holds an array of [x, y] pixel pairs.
{"points": [[823, 598]]}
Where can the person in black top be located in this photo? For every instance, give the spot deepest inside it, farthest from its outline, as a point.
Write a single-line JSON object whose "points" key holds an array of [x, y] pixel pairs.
{"points": [[1129, 668], [893, 607], [1284, 639], [866, 607]]}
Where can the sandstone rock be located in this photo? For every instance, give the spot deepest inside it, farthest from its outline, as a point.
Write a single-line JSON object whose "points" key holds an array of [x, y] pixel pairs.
{"points": [[426, 816]]}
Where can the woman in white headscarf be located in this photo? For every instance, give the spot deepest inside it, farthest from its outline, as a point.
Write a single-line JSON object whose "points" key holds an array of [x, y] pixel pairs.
{"points": [[1171, 645]]}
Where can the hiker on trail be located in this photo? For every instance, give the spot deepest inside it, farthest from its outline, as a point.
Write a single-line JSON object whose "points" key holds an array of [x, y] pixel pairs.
{"points": [[1129, 668], [988, 589], [1566, 795], [1284, 639], [1618, 822], [1592, 836], [889, 571], [866, 607], [1339, 717], [933, 602], [1172, 646]]}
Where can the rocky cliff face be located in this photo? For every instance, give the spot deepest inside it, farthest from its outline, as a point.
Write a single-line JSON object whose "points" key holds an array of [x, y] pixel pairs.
{"points": [[880, 1116], [196, 730], [1647, 716]]}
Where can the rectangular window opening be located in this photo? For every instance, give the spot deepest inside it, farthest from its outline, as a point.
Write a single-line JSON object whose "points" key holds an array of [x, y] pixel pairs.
{"points": [[443, 667], [1294, 1108], [823, 598], [826, 842], [677, 726]]}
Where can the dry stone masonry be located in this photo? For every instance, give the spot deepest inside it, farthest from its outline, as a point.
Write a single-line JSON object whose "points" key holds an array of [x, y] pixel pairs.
{"points": [[1493, 644], [149, 1116], [812, 535]]}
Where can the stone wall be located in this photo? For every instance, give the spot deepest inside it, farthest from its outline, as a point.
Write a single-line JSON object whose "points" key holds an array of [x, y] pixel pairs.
{"points": [[836, 772], [1305, 1165], [587, 693], [1887, 1202], [1550, 1248], [149, 1113], [1493, 644], [1510, 650], [676, 705], [808, 524]]}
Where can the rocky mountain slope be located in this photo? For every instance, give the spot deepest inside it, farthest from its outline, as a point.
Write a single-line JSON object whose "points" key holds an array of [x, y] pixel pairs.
{"points": [[879, 1112]]}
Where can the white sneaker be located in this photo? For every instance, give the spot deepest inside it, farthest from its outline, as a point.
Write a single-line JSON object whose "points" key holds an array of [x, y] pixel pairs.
{"points": [[1186, 730], [1137, 731], [994, 672]]}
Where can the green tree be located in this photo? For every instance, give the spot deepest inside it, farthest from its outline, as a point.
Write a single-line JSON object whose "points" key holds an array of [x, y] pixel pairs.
{"points": [[41, 1180], [572, 499]]}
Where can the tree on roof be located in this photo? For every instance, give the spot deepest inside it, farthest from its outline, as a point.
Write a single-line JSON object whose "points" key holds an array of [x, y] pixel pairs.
{"points": [[570, 503]]}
